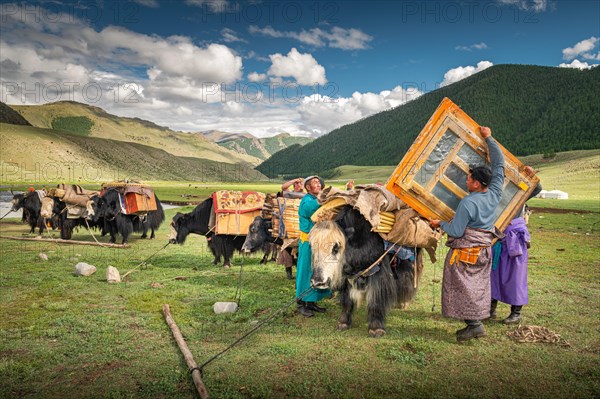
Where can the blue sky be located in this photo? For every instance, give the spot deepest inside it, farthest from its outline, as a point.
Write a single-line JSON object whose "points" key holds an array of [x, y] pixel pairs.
{"points": [[267, 67]]}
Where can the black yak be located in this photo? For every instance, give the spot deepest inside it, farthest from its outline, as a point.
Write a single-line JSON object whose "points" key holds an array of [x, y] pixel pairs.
{"points": [[197, 222], [260, 238], [108, 207], [345, 247], [69, 223], [31, 204]]}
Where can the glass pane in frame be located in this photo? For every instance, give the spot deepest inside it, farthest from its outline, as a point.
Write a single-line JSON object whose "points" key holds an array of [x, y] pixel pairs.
{"points": [[457, 176], [470, 157], [431, 166], [507, 196], [446, 196]]}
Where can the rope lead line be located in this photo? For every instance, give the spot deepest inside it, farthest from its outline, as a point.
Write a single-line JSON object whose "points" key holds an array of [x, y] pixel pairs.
{"points": [[238, 291], [259, 325], [6, 214]]}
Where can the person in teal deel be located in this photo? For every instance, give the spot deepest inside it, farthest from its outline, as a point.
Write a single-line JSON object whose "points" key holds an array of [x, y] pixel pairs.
{"points": [[307, 304]]}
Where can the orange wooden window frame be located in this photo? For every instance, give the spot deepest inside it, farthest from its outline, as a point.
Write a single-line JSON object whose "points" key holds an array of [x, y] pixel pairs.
{"points": [[449, 116]]}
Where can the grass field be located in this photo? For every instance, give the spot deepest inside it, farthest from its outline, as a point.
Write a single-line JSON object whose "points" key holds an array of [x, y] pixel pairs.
{"points": [[65, 336], [77, 337]]}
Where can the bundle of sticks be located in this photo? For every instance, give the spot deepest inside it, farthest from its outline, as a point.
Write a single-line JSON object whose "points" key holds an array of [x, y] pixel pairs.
{"points": [[286, 213]]}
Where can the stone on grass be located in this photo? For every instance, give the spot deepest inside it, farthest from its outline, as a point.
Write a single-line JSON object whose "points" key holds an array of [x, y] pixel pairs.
{"points": [[225, 307], [84, 269], [43, 256], [113, 275]]}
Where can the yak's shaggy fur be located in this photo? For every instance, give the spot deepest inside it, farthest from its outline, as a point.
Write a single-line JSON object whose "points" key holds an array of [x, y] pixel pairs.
{"points": [[31, 205], [108, 208], [341, 250], [196, 222]]}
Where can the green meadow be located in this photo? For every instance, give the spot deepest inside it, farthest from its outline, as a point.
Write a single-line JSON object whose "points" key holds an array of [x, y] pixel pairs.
{"points": [[81, 337]]}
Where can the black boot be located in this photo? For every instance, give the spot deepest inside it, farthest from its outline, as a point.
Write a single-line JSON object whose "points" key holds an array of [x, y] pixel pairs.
{"points": [[303, 310], [474, 329], [288, 272], [314, 307], [515, 315], [493, 307]]}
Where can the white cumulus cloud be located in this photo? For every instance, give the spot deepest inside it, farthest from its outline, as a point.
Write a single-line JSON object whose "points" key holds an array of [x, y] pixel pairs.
{"points": [[323, 114], [212, 5], [302, 67], [577, 64], [230, 36], [476, 46], [257, 77], [583, 48], [527, 5], [336, 37], [459, 73]]}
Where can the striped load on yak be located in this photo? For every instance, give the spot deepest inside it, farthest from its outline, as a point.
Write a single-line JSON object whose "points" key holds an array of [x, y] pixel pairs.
{"points": [[136, 198], [286, 223], [234, 211]]}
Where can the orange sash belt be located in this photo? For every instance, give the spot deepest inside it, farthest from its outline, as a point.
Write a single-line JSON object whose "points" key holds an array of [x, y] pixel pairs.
{"points": [[303, 236], [465, 255]]}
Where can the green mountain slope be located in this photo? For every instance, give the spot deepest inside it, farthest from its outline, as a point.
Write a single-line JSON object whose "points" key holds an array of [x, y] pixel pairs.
{"points": [[9, 115], [92, 121], [265, 147], [36, 154], [531, 110]]}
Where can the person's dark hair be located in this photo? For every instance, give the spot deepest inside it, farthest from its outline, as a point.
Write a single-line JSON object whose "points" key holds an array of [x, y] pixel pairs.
{"points": [[483, 174]]}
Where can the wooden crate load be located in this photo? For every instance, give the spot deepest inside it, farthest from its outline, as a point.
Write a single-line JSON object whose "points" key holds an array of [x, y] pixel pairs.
{"points": [[234, 211], [432, 176], [268, 206], [136, 198], [286, 223]]}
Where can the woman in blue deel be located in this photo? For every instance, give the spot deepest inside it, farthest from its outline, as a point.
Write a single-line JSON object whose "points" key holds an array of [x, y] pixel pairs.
{"points": [[307, 304]]}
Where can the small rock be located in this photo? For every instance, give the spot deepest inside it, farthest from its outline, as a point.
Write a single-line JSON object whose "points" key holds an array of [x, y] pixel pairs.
{"points": [[225, 307], [43, 256], [113, 275], [84, 269]]}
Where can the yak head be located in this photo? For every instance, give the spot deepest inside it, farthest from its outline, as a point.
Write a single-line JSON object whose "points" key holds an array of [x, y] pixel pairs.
{"points": [[179, 229], [107, 205], [327, 243], [18, 201], [258, 234]]}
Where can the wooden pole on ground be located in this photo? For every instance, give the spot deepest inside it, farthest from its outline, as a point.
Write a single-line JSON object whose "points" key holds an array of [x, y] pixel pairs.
{"points": [[189, 359], [73, 242]]}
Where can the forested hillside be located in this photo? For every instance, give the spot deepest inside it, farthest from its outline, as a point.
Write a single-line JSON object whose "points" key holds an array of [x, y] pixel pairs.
{"points": [[531, 110]]}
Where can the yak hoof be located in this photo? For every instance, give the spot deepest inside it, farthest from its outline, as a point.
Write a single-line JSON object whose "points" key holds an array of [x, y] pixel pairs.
{"points": [[377, 333], [144, 236], [343, 327]]}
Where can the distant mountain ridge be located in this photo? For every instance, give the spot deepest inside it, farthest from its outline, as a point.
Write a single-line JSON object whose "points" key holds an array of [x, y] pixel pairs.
{"points": [[93, 121], [72, 141], [218, 136], [531, 110], [261, 148]]}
